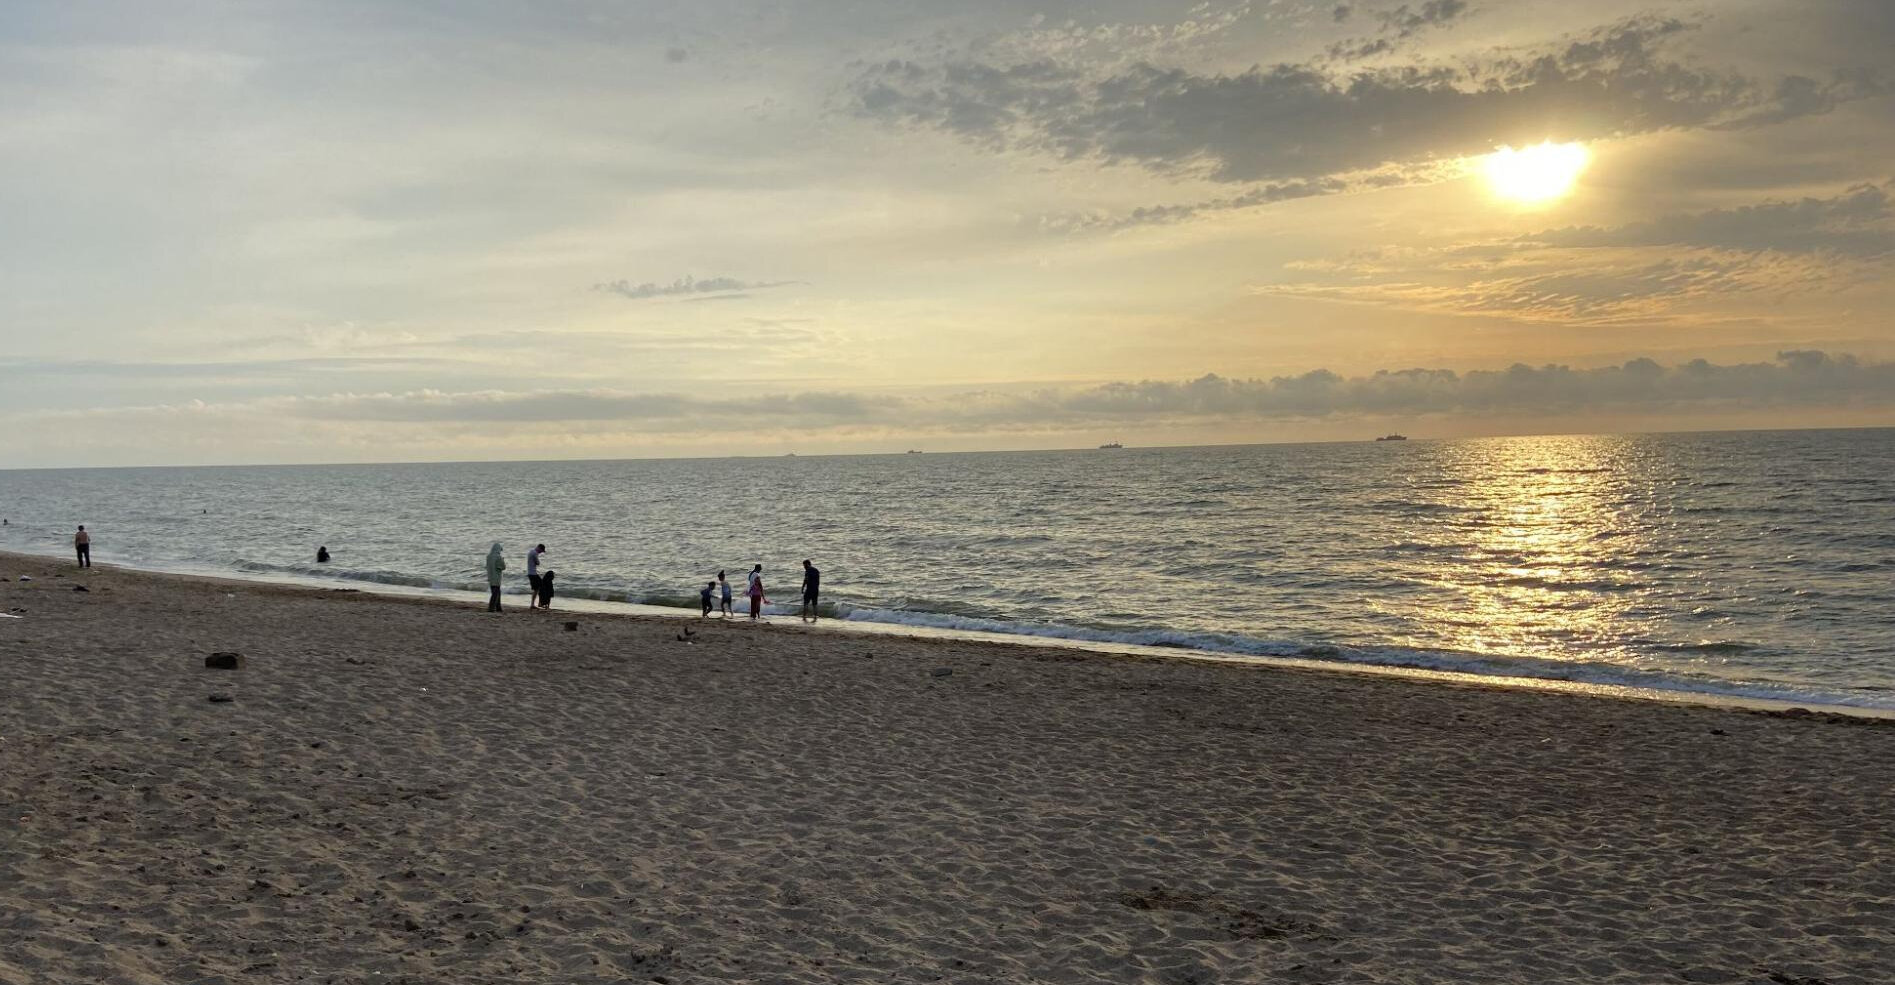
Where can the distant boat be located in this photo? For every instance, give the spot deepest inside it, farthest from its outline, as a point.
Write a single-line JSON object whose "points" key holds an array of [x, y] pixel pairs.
{"points": [[914, 451], [1111, 446], [1393, 437]]}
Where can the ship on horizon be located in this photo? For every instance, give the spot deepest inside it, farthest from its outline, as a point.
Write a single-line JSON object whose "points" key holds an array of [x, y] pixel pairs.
{"points": [[1111, 446], [1393, 437]]}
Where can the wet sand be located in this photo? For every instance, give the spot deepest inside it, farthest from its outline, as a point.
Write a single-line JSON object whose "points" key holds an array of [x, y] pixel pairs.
{"points": [[417, 791]]}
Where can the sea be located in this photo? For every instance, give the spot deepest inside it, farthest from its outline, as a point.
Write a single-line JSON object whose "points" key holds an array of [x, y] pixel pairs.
{"points": [[1740, 565]]}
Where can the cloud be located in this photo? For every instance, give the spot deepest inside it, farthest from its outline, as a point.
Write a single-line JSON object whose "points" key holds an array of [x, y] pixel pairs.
{"points": [[1800, 378], [1295, 121], [436, 425], [581, 405], [1257, 196], [1579, 288], [686, 287], [1860, 222], [1641, 272], [1158, 215], [1397, 25], [1405, 20]]}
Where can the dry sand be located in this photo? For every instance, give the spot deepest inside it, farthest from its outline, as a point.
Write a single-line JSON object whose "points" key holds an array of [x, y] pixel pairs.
{"points": [[417, 791]]}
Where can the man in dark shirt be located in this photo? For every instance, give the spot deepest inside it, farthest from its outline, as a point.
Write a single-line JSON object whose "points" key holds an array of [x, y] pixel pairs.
{"points": [[812, 584]]}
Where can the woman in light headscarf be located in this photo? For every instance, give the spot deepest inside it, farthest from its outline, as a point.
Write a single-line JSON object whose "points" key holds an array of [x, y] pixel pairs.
{"points": [[496, 563], [755, 591]]}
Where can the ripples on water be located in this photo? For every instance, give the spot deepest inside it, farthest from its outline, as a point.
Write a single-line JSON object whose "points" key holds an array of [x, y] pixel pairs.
{"points": [[1741, 563]]}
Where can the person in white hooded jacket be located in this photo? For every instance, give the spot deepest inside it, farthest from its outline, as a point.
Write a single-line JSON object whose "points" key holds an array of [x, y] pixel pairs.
{"points": [[496, 563]]}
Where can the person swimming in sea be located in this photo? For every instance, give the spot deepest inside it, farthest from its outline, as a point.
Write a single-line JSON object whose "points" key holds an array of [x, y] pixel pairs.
{"points": [[322, 555]]}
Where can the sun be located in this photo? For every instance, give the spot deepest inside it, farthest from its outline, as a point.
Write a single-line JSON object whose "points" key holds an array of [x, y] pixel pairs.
{"points": [[1537, 174]]}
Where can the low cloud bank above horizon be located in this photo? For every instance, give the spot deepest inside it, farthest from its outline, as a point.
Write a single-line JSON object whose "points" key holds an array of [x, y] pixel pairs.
{"points": [[610, 421], [1798, 378]]}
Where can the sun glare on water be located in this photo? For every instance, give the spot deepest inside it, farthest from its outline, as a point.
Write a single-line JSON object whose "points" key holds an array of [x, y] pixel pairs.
{"points": [[1537, 174]]}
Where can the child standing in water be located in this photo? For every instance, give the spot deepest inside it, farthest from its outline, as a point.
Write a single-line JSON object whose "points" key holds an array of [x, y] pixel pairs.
{"points": [[704, 597], [724, 588]]}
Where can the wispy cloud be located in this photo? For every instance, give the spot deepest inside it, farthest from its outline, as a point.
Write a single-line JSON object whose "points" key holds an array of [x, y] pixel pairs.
{"points": [[1859, 222], [1397, 25], [1639, 272], [691, 288]]}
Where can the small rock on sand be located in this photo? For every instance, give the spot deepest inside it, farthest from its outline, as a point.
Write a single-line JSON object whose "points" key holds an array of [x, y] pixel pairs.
{"points": [[221, 699], [224, 660], [941, 672]]}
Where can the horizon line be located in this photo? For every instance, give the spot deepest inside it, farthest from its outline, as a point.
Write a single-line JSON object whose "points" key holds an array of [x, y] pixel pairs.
{"points": [[970, 451]]}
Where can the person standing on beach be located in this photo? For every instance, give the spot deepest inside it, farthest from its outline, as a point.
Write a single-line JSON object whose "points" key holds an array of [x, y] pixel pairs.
{"points": [[704, 596], [723, 588], [82, 545], [496, 563], [755, 591], [533, 584], [812, 587]]}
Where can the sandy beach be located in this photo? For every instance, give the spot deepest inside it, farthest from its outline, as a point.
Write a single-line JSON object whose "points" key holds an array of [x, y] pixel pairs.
{"points": [[417, 791]]}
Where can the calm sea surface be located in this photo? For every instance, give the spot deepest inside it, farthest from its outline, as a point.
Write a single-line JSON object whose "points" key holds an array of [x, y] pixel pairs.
{"points": [[1757, 564]]}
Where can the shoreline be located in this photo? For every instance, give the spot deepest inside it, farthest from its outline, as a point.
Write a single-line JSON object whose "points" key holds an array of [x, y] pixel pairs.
{"points": [[418, 792], [1393, 671]]}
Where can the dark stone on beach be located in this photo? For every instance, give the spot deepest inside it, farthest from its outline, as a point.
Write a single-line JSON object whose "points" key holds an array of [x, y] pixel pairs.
{"points": [[941, 672], [1719, 731], [81, 588], [224, 660], [572, 627], [221, 699], [357, 661], [410, 925]]}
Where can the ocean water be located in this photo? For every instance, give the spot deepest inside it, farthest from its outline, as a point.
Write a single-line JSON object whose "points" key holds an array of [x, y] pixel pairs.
{"points": [[1756, 564]]}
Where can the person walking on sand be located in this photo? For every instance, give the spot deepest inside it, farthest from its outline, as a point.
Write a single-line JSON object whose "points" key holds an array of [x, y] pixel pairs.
{"points": [[533, 585], [496, 563], [812, 587], [704, 597], [82, 545], [723, 588], [755, 591]]}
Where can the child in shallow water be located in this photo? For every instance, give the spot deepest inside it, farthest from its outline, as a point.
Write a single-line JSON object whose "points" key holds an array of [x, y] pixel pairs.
{"points": [[546, 590], [705, 597]]}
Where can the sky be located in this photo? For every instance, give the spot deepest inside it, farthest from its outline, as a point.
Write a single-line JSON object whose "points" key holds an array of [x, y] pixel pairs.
{"points": [[260, 232]]}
